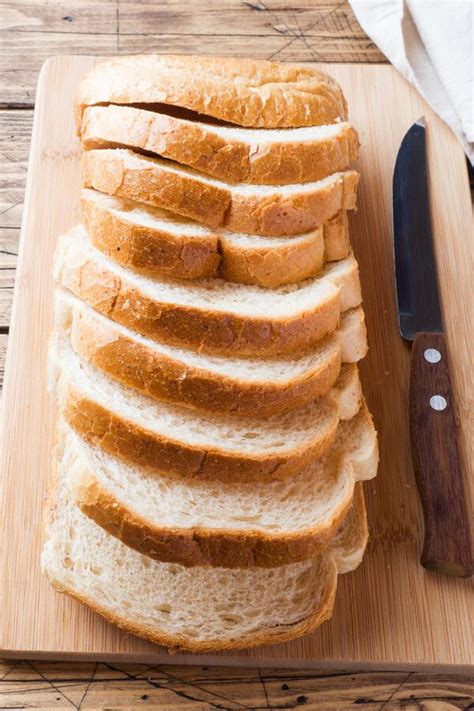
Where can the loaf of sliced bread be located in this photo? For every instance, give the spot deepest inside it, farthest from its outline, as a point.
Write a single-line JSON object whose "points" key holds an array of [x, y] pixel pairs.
{"points": [[246, 92], [212, 434], [159, 243], [196, 443], [199, 608], [272, 210], [228, 524], [254, 386], [259, 156], [212, 315]]}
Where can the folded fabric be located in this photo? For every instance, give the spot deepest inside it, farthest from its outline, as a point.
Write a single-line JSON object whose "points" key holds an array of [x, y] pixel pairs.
{"points": [[430, 42]]}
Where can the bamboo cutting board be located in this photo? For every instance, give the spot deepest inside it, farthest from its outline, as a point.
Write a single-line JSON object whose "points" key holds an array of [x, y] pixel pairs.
{"points": [[390, 613]]}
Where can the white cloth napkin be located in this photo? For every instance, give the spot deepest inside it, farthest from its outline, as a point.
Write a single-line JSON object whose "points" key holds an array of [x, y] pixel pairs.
{"points": [[431, 43]]}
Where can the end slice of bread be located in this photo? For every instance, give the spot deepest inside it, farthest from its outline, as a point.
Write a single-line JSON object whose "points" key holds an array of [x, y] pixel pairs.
{"points": [[236, 155], [254, 209], [228, 524], [158, 243]]}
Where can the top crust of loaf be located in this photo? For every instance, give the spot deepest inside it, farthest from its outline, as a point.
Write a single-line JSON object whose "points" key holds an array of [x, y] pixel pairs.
{"points": [[246, 92]]}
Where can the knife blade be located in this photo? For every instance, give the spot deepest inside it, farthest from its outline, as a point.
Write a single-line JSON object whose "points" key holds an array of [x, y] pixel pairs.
{"points": [[436, 458]]}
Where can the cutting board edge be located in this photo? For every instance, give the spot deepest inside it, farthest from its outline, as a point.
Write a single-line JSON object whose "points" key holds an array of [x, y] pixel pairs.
{"points": [[236, 661]]}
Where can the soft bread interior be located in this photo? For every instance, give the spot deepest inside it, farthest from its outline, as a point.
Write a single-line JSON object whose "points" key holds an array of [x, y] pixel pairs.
{"points": [[173, 604], [310, 499], [194, 608]]}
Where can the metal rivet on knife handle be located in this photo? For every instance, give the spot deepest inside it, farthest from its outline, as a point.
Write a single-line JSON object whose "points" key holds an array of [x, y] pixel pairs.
{"points": [[432, 355], [438, 402]]}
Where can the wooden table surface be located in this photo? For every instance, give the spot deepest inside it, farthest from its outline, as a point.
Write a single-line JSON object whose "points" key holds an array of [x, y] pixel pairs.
{"points": [[302, 30]]}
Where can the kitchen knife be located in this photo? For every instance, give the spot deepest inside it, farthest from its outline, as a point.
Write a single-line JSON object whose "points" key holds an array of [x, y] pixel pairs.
{"points": [[433, 436]]}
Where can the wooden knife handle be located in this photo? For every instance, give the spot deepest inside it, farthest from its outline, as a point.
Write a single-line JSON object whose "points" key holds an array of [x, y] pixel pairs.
{"points": [[436, 460]]}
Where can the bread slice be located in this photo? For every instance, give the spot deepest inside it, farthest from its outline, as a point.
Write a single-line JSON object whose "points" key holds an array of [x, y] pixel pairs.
{"points": [[360, 442], [236, 155], [196, 443], [254, 209], [199, 608], [212, 315], [231, 524], [247, 92], [159, 243], [349, 544], [253, 386], [354, 344], [345, 275], [336, 237]]}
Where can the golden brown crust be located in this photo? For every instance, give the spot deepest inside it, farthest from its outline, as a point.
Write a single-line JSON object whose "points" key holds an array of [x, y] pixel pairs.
{"points": [[272, 265], [246, 92], [228, 548], [151, 182], [325, 568], [280, 214], [281, 633], [336, 237], [223, 157], [156, 451], [156, 182], [231, 548], [337, 560], [162, 377], [207, 330], [157, 252], [252, 94], [147, 249]]}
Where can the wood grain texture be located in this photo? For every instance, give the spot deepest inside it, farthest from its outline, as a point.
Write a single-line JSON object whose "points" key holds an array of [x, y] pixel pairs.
{"points": [[3, 353], [310, 32], [25, 52], [92, 685], [15, 133], [437, 464], [390, 612]]}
